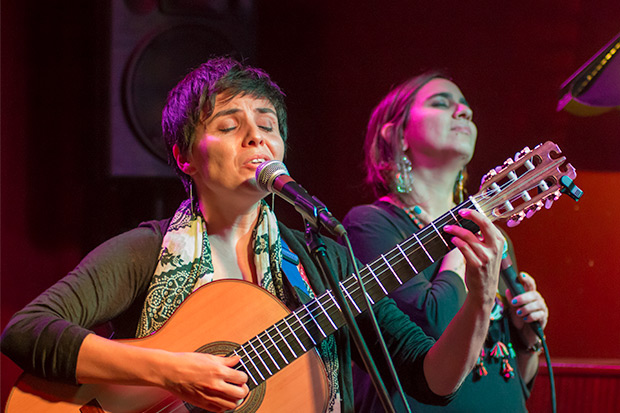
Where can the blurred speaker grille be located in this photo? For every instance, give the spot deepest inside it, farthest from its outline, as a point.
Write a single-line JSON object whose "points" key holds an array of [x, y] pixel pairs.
{"points": [[156, 67], [152, 47]]}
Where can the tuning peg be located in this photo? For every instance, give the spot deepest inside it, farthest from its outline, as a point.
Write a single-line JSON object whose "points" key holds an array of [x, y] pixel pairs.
{"points": [[551, 198], [489, 175], [543, 186], [522, 153], [515, 219], [533, 209], [508, 162], [548, 203], [529, 165], [512, 176], [494, 188], [525, 196]]}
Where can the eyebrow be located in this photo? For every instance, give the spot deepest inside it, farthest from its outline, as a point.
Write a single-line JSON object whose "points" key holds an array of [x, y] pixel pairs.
{"points": [[448, 95], [235, 110]]}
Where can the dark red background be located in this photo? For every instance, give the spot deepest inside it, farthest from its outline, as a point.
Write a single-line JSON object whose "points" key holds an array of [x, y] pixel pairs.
{"points": [[335, 60]]}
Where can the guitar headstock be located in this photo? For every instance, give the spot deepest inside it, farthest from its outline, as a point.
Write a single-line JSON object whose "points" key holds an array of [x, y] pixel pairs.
{"points": [[523, 185]]}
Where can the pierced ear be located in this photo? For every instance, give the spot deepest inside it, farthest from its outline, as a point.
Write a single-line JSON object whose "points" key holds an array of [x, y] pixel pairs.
{"points": [[182, 160], [386, 133]]}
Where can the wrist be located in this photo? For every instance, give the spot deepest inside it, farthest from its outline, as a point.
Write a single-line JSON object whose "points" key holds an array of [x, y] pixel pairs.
{"points": [[534, 348], [481, 302]]}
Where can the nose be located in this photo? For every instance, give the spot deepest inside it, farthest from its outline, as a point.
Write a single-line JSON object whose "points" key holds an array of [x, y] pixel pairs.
{"points": [[254, 136], [463, 112]]}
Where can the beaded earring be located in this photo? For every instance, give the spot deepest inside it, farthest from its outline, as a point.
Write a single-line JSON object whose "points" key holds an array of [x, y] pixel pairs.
{"points": [[403, 179], [459, 188], [191, 198]]}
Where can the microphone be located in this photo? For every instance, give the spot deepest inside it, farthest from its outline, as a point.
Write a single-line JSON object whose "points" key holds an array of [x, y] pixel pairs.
{"points": [[509, 275], [272, 176]]}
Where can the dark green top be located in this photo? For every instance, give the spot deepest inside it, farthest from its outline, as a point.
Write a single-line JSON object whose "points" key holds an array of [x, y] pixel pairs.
{"points": [[431, 299]]}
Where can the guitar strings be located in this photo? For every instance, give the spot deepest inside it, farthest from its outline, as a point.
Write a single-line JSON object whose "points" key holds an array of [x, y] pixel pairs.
{"points": [[314, 312], [313, 308]]}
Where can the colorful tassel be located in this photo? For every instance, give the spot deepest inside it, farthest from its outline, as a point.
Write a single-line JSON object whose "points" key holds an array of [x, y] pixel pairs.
{"points": [[479, 369], [511, 350], [499, 350], [507, 370]]}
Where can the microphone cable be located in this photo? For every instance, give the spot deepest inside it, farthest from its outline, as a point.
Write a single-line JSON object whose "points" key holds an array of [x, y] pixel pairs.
{"points": [[509, 275], [375, 325]]}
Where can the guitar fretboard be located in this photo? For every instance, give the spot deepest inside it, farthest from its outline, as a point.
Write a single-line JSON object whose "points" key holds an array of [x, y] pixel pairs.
{"points": [[273, 349]]}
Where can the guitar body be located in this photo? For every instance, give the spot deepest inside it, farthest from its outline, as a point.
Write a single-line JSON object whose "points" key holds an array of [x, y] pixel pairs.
{"points": [[214, 319]]}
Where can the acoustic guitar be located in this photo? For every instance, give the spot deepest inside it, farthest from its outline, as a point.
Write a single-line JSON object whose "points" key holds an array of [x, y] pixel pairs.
{"points": [[276, 346]]}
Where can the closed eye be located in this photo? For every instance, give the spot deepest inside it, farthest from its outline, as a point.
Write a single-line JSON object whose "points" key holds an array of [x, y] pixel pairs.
{"points": [[440, 102]]}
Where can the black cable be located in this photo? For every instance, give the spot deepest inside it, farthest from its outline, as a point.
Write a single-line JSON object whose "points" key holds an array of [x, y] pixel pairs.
{"points": [[550, 370], [509, 276]]}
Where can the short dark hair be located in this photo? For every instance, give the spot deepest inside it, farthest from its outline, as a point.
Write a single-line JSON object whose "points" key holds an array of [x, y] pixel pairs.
{"points": [[380, 153], [193, 98]]}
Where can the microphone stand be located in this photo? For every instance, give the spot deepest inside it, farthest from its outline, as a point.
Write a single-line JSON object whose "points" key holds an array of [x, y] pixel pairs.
{"points": [[316, 247]]}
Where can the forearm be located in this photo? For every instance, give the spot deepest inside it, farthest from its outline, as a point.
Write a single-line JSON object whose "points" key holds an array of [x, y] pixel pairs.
{"points": [[451, 359], [528, 358], [528, 364], [107, 361], [205, 380]]}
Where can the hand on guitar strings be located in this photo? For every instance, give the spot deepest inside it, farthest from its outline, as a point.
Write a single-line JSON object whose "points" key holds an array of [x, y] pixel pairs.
{"points": [[482, 254], [206, 381]]}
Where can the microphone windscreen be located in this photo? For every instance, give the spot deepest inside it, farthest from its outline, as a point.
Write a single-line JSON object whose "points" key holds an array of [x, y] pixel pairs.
{"points": [[267, 172]]}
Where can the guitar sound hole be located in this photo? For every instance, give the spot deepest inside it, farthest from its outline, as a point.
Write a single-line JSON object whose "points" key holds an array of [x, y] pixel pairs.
{"points": [[255, 397]]}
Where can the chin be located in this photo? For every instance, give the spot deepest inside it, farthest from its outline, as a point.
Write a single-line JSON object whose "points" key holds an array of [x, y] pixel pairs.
{"points": [[251, 187]]}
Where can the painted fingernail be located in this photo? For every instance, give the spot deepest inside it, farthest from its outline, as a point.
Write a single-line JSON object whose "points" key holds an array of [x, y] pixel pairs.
{"points": [[417, 209], [523, 275], [464, 212], [524, 318], [514, 300], [519, 312], [447, 227]]}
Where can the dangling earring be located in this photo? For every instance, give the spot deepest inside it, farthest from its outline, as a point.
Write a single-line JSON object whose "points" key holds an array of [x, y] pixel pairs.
{"points": [[459, 188], [403, 179], [191, 198]]}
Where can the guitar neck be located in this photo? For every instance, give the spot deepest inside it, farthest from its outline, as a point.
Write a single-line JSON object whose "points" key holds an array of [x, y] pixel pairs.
{"points": [[279, 345]]}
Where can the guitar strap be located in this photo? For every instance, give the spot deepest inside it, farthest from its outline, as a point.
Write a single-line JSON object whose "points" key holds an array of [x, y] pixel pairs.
{"points": [[291, 269]]}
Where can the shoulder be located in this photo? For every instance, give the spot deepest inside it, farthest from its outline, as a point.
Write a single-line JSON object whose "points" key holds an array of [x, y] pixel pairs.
{"points": [[152, 228], [142, 242], [147, 233], [376, 210], [378, 216]]}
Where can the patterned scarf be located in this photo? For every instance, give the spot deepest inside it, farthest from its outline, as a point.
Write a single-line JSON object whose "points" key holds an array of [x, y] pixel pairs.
{"points": [[185, 263]]}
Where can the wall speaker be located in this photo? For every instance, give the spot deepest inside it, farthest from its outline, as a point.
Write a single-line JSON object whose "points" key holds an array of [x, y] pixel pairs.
{"points": [[153, 45]]}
